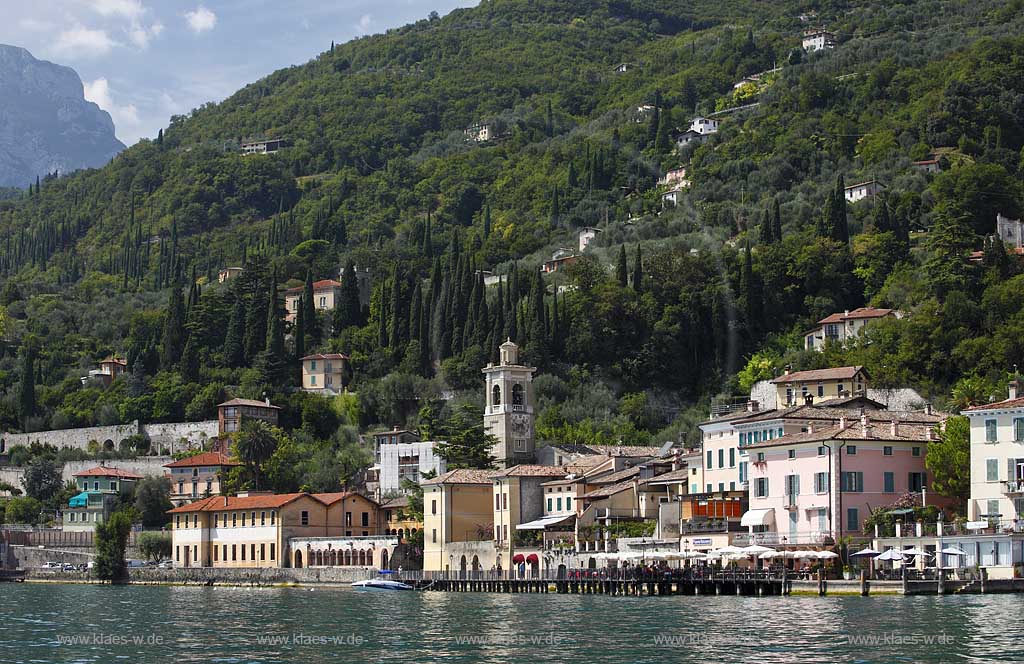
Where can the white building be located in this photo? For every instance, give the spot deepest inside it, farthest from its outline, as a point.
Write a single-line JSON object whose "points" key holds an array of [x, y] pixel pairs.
{"points": [[407, 461], [997, 458], [1011, 231], [862, 190], [818, 40], [263, 146], [840, 327], [481, 132], [703, 125], [587, 234]]}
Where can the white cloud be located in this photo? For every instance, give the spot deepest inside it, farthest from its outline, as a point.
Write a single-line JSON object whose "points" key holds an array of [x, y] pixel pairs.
{"points": [[126, 8], [140, 35], [83, 42], [364, 23], [200, 19], [126, 118]]}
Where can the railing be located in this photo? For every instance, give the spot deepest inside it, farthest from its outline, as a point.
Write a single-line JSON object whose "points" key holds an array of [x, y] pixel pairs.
{"points": [[812, 537], [708, 526], [1014, 487], [637, 572]]}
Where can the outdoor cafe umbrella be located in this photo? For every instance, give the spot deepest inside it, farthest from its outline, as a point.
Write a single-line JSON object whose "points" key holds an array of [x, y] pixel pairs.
{"points": [[865, 552], [826, 555], [915, 552], [726, 551], [771, 553], [891, 554], [756, 549], [953, 551]]}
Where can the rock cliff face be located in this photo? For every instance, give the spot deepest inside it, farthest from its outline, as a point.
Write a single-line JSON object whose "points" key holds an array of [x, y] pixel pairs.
{"points": [[46, 124]]}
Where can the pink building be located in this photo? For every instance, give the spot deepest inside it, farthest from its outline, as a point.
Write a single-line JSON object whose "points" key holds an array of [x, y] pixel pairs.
{"points": [[813, 487]]}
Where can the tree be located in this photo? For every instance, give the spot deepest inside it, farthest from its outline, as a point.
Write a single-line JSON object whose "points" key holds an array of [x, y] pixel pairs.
{"points": [[254, 445], [949, 460], [27, 386], [949, 241], [308, 306], [272, 363], [234, 338], [111, 544], [153, 545], [348, 310], [173, 341], [152, 500], [25, 510], [622, 269], [42, 479], [468, 445], [638, 273]]}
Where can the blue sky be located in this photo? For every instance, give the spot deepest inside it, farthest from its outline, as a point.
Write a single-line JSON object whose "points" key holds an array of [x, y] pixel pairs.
{"points": [[145, 60]]}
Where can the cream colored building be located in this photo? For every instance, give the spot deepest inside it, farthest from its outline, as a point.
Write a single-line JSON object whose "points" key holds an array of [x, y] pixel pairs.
{"points": [[458, 509], [197, 476], [327, 374], [841, 327], [326, 294], [518, 499], [997, 459], [794, 388], [509, 415], [255, 529]]}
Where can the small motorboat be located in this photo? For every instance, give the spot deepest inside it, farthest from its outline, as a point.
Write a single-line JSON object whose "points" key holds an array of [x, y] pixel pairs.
{"points": [[381, 584]]}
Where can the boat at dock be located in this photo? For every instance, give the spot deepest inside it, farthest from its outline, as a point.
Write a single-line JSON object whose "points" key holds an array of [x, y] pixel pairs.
{"points": [[382, 583]]}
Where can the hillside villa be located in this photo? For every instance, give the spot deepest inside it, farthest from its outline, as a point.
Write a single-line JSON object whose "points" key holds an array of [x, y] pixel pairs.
{"points": [[198, 476], [99, 489], [325, 374], [840, 327], [326, 294]]}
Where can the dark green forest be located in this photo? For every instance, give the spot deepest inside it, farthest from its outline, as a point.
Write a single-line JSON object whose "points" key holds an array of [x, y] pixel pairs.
{"points": [[669, 308]]}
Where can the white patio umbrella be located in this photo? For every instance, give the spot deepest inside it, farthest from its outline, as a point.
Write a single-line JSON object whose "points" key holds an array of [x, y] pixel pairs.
{"points": [[693, 555], [756, 549], [768, 555], [915, 552], [803, 554], [865, 552], [827, 555], [953, 551], [891, 554], [728, 549]]}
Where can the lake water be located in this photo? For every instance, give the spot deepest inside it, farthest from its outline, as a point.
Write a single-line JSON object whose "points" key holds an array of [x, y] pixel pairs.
{"points": [[84, 623]]}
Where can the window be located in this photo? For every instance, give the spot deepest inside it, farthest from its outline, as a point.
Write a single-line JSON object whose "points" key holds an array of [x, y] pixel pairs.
{"points": [[215, 552], [549, 504], [761, 487], [559, 503], [504, 501], [743, 439], [853, 482], [263, 551], [792, 489], [224, 556], [791, 454], [781, 432], [743, 471], [273, 519], [348, 519], [177, 521], [721, 486], [263, 518], [568, 502], [709, 488], [990, 431], [304, 519], [243, 519], [517, 395], [433, 535], [252, 551], [252, 520], [710, 465], [839, 389], [365, 519], [497, 502], [216, 520], [887, 450], [991, 470], [243, 552], [1018, 429], [234, 552], [312, 365], [915, 481], [822, 450], [496, 395], [433, 506], [694, 488], [821, 390], [721, 458], [323, 302], [732, 457], [993, 509], [851, 450], [915, 451], [821, 482], [889, 482], [760, 456], [852, 519], [312, 380], [497, 533], [732, 486], [273, 550]]}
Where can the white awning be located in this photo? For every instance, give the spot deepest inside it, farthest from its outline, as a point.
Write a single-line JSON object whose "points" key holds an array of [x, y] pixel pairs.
{"points": [[542, 523], [761, 517]]}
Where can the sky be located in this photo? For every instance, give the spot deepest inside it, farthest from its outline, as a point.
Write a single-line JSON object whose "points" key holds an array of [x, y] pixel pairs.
{"points": [[143, 61]]}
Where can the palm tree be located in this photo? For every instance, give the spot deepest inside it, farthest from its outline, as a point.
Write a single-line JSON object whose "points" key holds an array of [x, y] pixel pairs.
{"points": [[254, 445]]}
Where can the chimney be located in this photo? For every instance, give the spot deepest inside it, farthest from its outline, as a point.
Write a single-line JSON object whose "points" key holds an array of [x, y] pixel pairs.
{"points": [[846, 313], [789, 370], [753, 406], [266, 400], [842, 421], [894, 429], [809, 399], [927, 407], [864, 425], [225, 501], [1013, 389]]}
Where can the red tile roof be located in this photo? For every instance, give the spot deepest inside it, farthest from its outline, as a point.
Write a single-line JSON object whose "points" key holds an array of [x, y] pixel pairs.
{"points": [[331, 498], [329, 356], [217, 503], [525, 470], [819, 374], [323, 284], [104, 471], [204, 459], [462, 476], [862, 312], [248, 402], [998, 405]]}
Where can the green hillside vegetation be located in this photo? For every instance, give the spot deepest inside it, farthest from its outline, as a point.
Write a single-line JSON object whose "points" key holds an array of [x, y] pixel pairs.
{"points": [[657, 318]]}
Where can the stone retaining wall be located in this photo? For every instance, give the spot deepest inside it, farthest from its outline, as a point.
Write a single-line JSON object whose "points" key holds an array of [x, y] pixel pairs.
{"points": [[173, 436]]}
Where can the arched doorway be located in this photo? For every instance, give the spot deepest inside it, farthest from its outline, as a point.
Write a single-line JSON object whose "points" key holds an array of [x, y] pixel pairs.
{"points": [[561, 570], [298, 559], [384, 559], [347, 562], [592, 563], [462, 566], [476, 563]]}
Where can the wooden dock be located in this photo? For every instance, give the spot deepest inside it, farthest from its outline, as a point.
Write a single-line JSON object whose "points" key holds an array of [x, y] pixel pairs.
{"points": [[745, 586]]}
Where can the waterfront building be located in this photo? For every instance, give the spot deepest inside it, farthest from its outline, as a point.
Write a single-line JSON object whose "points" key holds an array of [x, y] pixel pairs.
{"points": [[198, 476], [816, 486], [509, 415], [255, 529], [396, 519], [997, 458], [519, 512], [457, 514], [407, 462], [99, 489]]}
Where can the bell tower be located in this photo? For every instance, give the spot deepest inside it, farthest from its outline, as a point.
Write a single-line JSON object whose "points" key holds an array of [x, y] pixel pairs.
{"points": [[509, 415]]}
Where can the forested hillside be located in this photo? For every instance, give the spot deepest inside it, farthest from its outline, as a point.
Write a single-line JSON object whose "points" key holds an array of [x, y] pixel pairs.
{"points": [[665, 307]]}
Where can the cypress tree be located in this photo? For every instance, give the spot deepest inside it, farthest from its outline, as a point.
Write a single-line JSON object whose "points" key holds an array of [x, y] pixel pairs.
{"points": [[272, 363], [190, 360], [776, 221], [27, 387], [638, 273], [255, 325], [662, 143], [555, 206], [234, 338], [572, 180], [487, 221], [416, 314], [172, 342], [300, 331], [308, 308], [348, 311], [399, 323], [766, 234], [622, 269]]}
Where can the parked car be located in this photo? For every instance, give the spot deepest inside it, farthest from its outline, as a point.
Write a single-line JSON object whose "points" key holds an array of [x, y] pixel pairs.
{"points": [[50, 565], [136, 563], [68, 567], [166, 564]]}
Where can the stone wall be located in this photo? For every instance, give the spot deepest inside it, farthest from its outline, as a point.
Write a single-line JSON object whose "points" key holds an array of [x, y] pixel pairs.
{"points": [[171, 435]]}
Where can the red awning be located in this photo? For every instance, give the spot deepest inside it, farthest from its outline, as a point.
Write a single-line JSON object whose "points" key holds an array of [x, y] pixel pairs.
{"points": [[532, 559], [518, 558]]}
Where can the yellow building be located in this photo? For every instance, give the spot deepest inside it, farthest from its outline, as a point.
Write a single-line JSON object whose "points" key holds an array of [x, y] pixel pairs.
{"points": [[255, 529], [325, 373], [794, 388], [518, 499], [457, 508], [326, 294]]}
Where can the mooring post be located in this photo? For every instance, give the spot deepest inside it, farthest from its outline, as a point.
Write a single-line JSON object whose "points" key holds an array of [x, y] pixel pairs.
{"points": [[863, 583]]}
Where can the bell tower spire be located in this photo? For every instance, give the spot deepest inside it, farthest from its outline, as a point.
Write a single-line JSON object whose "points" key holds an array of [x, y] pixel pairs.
{"points": [[509, 415]]}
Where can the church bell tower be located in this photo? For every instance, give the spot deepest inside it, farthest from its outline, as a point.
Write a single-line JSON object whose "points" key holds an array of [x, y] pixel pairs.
{"points": [[509, 415]]}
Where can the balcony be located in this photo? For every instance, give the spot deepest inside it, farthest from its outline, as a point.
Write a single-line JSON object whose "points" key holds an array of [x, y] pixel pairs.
{"points": [[1014, 488], [813, 538], [696, 526]]}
